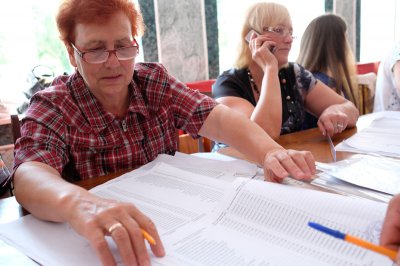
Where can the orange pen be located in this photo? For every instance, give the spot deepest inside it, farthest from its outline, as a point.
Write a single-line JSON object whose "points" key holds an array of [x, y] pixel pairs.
{"points": [[355, 240]]}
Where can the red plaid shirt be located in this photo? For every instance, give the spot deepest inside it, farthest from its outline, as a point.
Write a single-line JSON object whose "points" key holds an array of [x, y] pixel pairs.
{"points": [[67, 128]]}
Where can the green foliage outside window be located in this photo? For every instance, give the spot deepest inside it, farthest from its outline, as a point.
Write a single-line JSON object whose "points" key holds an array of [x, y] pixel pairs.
{"points": [[30, 37], [50, 50]]}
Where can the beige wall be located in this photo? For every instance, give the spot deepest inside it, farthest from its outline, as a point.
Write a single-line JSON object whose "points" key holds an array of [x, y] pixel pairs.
{"points": [[347, 9]]}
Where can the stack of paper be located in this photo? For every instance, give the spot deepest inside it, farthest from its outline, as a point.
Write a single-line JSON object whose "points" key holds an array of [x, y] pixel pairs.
{"points": [[227, 169], [206, 221], [381, 137], [373, 172], [375, 175]]}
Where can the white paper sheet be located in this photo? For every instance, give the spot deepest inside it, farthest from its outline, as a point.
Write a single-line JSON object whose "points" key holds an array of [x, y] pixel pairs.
{"points": [[382, 136], [224, 169], [169, 196], [255, 223], [261, 223], [332, 184], [373, 172]]}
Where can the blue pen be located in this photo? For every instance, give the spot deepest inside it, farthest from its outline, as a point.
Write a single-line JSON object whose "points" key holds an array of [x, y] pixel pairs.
{"points": [[357, 241]]}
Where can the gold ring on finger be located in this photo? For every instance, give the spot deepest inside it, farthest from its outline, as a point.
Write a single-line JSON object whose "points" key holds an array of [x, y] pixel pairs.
{"points": [[114, 227]]}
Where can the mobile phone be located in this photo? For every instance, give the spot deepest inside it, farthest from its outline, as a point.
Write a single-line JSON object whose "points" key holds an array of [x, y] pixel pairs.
{"points": [[248, 36], [272, 49]]}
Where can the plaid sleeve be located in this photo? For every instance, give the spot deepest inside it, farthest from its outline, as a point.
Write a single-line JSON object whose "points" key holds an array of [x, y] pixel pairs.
{"points": [[191, 107], [42, 133]]}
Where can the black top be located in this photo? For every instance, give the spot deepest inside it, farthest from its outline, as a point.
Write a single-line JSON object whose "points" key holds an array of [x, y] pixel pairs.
{"points": [[295, 82]]}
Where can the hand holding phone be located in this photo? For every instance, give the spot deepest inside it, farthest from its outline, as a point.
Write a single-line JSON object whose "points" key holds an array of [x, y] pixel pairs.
{"points": [[250, 33]]}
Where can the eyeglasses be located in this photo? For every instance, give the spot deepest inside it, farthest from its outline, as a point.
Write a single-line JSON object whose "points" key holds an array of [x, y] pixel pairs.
{"points": [[280, 31], [101, 56]]}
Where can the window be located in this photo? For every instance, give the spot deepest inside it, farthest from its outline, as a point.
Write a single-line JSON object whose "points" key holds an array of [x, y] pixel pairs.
{"points": [[380, 29], [30, 38]]}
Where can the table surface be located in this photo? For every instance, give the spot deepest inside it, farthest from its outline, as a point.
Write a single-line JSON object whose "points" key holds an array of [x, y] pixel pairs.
{"points": [[311, 140]]}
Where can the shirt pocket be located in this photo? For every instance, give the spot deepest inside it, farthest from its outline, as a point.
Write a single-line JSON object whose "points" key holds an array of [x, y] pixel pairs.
{"points": [[91, 147], [159, 136]]}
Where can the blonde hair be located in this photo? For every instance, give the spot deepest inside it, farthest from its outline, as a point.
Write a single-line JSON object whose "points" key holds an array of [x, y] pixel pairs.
{"points": [[324, 47], [259, 16]]}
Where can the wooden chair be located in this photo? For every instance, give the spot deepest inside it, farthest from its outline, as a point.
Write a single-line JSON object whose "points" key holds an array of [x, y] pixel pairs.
{"points": [[363, 68], [15, 127], [367, 73], [204, 86], [7, 188], [189, 145], [186, 143]]}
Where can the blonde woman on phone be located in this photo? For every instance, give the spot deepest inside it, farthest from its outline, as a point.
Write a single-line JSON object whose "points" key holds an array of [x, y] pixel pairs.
{"points": [[268, 89]]}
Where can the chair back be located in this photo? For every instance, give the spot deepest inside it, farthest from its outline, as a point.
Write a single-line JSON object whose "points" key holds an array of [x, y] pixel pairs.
{"points": [[204, 86], [15, 127], [186, 143], [189, 145], [364, 68], [6, 185]]}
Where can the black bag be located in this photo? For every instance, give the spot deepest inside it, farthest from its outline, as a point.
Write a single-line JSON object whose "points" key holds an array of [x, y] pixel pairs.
{"points": [[40, 78], [5, 178]]}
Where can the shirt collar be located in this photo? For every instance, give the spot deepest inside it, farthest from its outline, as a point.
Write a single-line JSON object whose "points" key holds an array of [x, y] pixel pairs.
{"points": [[92, 109]]}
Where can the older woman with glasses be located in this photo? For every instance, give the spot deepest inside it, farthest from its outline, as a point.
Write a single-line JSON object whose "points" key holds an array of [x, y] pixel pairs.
{"points": [[113, 115], [272, 92]]}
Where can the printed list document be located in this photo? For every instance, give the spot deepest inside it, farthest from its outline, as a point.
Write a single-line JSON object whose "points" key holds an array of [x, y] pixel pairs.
{"points": [[221, 169], [380, 137], [252, 223], [260, 223], [169, 196]]}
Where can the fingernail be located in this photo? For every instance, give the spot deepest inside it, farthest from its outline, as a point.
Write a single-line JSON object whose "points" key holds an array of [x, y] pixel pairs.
{"points": [[161, 249]]}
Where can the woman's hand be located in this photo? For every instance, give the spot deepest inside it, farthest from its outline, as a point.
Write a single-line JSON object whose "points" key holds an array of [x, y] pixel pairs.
{"points": [[262, 49], [390, 235], [51, 198], [334, 111], [332, 121], [280, 163], [96, 218]]}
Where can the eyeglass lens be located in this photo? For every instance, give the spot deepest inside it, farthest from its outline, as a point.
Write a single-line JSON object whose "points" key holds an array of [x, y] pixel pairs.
{"points": [[281, 31], [125, 53]]}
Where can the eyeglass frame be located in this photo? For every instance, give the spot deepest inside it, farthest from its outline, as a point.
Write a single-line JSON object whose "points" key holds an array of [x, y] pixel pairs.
{"points": [[114, 51], [285, 31]]}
